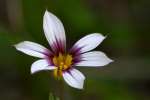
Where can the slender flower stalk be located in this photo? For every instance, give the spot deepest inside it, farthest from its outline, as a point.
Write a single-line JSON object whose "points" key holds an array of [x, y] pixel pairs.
{"points": [[63, 62]]}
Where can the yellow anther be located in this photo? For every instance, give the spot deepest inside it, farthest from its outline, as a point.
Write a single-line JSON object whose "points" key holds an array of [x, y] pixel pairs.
{"points": [[60, 67], [68, 60], [60, 57], [55, 61], [62, 62], [65, 67]]}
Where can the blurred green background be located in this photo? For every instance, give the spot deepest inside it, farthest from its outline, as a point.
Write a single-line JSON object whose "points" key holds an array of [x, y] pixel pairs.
{"points": [[126, 24]]}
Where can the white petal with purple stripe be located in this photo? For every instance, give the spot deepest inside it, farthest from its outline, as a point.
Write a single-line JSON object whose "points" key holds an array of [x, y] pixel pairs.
{"points": [[88, 43], [32, 49], [74, 78], [93, 59], [41, 65], [54, 31]]}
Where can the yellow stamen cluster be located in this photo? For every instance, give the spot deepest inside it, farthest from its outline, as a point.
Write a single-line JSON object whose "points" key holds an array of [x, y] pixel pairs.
{"points": [[62, 62]]}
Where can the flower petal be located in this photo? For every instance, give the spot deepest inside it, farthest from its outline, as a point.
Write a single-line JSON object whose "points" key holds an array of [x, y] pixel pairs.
{"points": [[94, 59], [41, 65], [88, 43], [74, 78], [32, 49], [54, 31]]}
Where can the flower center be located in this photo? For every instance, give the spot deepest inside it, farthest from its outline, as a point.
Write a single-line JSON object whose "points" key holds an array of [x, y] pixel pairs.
{"points": [[62, 62]]}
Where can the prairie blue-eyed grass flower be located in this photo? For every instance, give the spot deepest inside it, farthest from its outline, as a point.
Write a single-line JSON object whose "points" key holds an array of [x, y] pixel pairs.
{"points": [[63, 62]]}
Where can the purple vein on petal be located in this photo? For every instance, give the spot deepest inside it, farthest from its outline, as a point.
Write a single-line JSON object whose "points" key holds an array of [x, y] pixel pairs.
{"points": [[58, 46], [49, 60], [75, 51]]}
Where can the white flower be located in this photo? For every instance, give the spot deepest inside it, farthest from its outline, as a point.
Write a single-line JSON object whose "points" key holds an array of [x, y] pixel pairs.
{"points": [[61, 61]]}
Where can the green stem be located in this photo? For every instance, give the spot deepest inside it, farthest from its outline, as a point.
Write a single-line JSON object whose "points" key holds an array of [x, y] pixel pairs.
{"points": [[61, 90], [57, 89]]}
